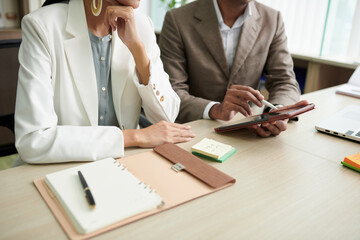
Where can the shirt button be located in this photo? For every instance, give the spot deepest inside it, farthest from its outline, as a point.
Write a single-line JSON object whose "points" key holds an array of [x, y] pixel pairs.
{"points": [[103, 88], [162, 99], [103, 39], [101, 117], [154, 87], [102, 59], [157, 93]]}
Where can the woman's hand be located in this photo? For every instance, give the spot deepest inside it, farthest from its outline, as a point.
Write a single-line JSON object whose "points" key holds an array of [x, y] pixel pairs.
{"points": [[157, 134], [121, 19]]}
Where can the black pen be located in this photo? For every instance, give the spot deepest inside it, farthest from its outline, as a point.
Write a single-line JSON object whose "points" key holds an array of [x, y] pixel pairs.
{"points": [[89, 197]]}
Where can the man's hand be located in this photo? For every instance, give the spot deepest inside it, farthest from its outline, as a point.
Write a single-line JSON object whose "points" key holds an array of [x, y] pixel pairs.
{"points": [[236, 100], [270, 129], [274, 128]]}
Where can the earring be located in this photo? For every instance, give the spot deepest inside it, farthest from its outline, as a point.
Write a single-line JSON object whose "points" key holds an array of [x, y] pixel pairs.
{"points": [[96, 8]]}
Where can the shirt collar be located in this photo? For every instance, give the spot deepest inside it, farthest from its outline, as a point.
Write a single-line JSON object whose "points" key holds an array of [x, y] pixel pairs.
{"points": [[97, 39], [238, 23]]}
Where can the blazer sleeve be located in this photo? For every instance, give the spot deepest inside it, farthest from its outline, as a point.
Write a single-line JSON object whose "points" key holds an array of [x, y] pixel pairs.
{"points": [[159, 100], [280, 77], [39, 136], [175, 64]]}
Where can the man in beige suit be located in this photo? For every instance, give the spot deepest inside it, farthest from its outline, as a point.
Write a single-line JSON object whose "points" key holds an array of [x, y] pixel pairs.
{"points": [[215, 52]]}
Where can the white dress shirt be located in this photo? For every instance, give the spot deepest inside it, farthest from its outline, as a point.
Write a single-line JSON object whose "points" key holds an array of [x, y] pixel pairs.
{"points": [[230, 38]]}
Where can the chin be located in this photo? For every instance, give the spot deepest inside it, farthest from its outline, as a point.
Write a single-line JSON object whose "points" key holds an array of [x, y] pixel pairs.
{"points": [[244, 1], [130, 3]]}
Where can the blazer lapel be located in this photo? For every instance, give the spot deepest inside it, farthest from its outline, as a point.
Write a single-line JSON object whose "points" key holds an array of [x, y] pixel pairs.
{"points": [[249, 33], [121, 62], [208, 29], [80, 60]]}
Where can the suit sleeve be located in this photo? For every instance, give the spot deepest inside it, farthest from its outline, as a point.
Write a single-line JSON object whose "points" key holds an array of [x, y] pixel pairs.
{"points": [[173, 54], [39, 136], [280, 77], [159, 100]]}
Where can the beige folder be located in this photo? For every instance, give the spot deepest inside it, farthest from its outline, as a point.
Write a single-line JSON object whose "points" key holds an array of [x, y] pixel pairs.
{"points": [[175, 174]]}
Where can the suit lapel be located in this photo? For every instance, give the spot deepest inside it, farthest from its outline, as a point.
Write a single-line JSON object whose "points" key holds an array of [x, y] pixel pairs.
{"points": [[208, 29], [249, 33], [80, 60], [120, 70]]}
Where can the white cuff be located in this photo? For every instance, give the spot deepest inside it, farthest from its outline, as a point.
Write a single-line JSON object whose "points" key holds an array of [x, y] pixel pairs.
{"points": [[207, 110]]}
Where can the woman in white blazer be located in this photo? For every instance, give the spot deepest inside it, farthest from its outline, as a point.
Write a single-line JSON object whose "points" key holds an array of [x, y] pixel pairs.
{"points": [[57, 108]]}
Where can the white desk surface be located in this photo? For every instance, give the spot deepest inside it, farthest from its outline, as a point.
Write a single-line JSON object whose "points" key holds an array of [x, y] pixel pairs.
{"points": [[288, 187]]}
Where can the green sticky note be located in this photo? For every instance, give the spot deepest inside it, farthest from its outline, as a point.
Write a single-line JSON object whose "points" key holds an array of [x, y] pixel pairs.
{"points": [[350, 166], [221, 159]]}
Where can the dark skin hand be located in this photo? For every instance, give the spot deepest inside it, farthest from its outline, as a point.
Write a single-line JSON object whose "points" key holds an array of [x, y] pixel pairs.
{"points": [[236, 100], [273, 128]]}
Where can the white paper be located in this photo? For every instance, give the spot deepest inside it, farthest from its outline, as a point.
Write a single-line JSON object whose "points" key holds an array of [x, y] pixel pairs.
{"points": [[352, 88], [355, 78], [118, 194]]}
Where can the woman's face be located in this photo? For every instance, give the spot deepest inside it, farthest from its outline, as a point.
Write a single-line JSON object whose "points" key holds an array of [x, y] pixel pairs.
{"points": [[131, 3]]}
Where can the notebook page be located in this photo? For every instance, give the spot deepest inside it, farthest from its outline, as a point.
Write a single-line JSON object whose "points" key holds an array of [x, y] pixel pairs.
{"points": [[355, 78], [118, 194]]}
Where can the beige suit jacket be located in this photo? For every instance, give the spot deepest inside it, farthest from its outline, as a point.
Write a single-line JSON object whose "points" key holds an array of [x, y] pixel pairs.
{"points": [[193, 56]]}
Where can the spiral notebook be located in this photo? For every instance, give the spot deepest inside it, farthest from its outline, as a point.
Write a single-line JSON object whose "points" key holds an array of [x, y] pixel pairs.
{"points": [[173, 173], [114, 188]]}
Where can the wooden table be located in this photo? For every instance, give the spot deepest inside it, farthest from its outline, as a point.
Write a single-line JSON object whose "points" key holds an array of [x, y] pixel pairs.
{"points": [[288, 187], [324, 72]]}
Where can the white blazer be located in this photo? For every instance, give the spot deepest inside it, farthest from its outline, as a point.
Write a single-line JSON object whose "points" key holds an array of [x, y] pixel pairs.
{"points": [[56, 116]]}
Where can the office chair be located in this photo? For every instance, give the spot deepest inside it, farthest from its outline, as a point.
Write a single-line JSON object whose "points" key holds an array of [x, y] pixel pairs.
{"points": [[143, 121], [8, 83]]}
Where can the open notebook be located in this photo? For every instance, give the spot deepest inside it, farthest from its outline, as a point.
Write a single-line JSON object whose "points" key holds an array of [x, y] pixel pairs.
{"points": [[158, 168], [113, 187], [352, 88]]}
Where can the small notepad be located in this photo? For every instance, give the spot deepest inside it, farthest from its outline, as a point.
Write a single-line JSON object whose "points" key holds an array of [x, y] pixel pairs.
{"points": [[117, 192], [212, 149], [352, 161]]}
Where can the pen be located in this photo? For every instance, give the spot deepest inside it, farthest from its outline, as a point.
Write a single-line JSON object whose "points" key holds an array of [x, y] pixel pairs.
{"points": [[266, 103], [89, 197]]}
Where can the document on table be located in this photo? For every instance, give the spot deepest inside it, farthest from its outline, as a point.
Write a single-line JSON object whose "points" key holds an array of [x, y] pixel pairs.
{"points": [[352, 88]]}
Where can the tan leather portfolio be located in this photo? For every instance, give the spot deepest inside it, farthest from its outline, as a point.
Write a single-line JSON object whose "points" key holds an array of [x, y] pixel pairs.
{"points": [[175, 174]]}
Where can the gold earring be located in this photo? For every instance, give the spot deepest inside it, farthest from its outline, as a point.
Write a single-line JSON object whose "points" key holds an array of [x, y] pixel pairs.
{"points": [[96, 8]]}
